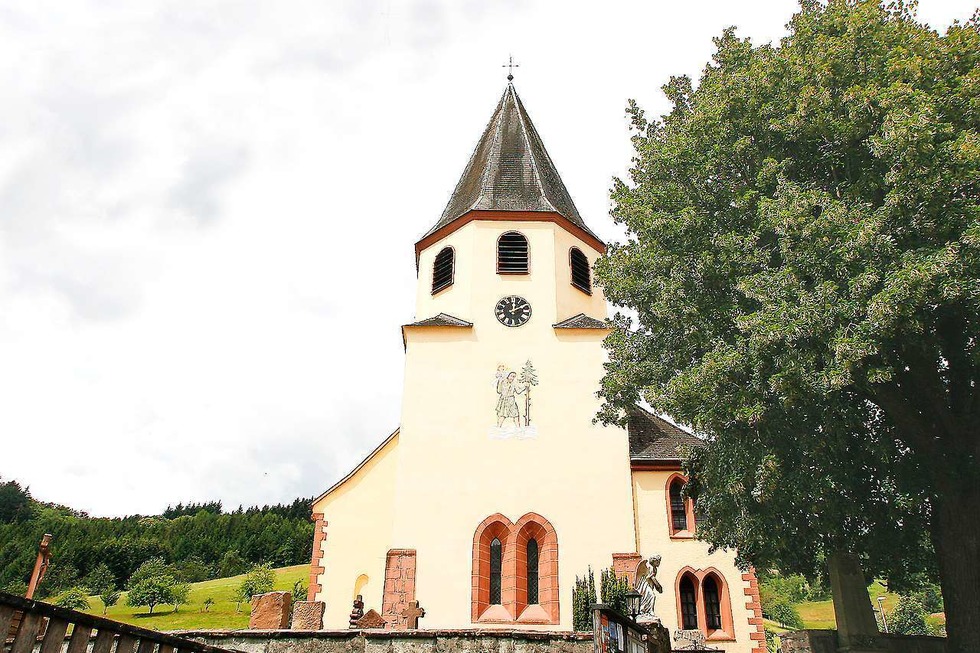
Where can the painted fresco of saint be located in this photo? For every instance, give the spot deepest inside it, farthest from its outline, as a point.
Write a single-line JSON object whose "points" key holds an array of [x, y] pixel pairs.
{"points": [[508, 389]]}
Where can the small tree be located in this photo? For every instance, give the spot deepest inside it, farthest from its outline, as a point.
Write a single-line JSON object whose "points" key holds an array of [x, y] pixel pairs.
{"points": [[909, 617], [232, 564], [782, 612], [74, 599], [151, 592], [614, 590], [101, 579], [109, 598], [259, 580], [178, 594], [299, 591], [583, 597], [152, 568], [206, 606]]}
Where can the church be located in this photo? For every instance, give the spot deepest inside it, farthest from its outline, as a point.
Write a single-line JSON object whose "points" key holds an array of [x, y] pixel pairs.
{"points": [[497, 488]]}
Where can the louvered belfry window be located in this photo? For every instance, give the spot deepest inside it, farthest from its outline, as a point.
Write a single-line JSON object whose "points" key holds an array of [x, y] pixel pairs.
{"points": [[442, 270], [581, 277], [512, 254]]}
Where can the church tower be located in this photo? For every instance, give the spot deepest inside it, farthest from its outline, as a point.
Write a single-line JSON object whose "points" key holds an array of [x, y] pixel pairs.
{"points": [[500, 378], [498, 488]]}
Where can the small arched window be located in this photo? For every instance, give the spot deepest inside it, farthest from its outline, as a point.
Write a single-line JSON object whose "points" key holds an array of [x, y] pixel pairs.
{"points": [[442, 270], [581, 275], [678, 507], [532, 572], [496, 560], [512, 253], [712, 603], [689, 603]]}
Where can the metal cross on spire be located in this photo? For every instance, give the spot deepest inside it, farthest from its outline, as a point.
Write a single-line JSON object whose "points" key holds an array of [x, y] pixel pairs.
{"points": [[510, 65]]}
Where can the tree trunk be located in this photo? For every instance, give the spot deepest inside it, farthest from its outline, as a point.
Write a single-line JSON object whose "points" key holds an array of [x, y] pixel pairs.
{"points": [[956, 538]]}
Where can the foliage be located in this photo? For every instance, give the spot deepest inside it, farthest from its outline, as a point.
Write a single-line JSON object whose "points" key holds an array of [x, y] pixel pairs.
{"points": [[782, 612], [803, 260], [151, 592], [152, 568], [74, 599], [109, 598], [299, 591], [15, 502], [793, 588], [583, 598], [208, 544], [178, 594], [931, 597], [207, 604], [100, 579], [908, 617], [180, 510], [772, 642], [259, 580], [614, 590], [16, 587]]}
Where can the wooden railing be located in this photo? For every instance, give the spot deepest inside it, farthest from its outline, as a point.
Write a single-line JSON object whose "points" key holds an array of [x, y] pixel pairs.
{"points": [[25, 621]]}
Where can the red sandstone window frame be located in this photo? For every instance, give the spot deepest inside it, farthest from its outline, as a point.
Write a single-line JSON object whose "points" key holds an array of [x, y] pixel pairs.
{"points": [[679, 534], [727, 631], [513, 607]]}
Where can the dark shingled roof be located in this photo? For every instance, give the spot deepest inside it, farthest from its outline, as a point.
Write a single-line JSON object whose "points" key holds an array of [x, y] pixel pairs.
{"points": [[654, 439], [581, 321], [510, 171], [442, 319]]}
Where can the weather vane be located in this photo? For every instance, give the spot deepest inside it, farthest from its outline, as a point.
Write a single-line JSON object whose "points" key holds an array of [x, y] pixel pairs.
{"points": [[510, 65]]}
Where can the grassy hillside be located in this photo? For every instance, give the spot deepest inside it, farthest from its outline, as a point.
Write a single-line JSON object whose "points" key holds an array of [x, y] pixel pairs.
{"points": [[191, 616], [820, 614]]}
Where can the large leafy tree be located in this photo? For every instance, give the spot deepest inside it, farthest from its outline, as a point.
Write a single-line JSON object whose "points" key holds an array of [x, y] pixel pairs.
{"points": [[803, 260]]}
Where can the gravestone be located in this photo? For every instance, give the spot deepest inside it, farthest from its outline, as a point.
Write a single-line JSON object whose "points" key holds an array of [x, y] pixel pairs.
{"points": [[412, 614], [857, 630], [308, 615], [371, 619], [270, 611]]}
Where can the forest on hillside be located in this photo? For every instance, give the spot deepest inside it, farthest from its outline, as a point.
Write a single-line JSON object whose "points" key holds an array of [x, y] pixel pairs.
{"points": [[200, 541]]}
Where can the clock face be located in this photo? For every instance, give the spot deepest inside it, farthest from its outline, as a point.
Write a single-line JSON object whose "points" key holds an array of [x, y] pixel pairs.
{"points": [[513, 311]]}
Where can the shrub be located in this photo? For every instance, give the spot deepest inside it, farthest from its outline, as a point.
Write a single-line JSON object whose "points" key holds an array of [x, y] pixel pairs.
{"points": [[783, 612], [259, 580], [908, 617], [583, 597], [74, 599], [614, 590], [931, 597]]}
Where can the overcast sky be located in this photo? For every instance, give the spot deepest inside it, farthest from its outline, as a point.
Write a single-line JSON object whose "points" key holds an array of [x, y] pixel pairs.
{"points": [[208, 211]]}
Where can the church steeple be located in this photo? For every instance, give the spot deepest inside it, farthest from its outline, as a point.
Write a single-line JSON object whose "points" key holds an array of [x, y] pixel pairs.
{"points": [[510, 170]]}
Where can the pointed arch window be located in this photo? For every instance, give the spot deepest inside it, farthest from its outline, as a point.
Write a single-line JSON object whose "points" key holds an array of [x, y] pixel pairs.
{"points": [[689, 603], [581, 274], [678, 511], [532, 571], [496, 564], [512, 253], [443, 269], [712, 603]]}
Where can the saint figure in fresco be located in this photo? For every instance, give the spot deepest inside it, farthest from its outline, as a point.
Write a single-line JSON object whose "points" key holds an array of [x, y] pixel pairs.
{"points": [[508, 389]]}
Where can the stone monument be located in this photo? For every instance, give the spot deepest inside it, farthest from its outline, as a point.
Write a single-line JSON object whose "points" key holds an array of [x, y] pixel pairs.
{"points": [[307, 615], [857, 630], [270, 611], [648, 586]]}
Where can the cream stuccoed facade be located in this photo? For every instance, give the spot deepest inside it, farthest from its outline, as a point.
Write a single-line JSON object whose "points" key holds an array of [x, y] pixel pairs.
{"points": [[497, 445]]}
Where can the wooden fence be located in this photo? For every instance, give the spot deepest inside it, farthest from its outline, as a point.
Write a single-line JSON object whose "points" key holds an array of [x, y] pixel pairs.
{"points": [[26, 622]]}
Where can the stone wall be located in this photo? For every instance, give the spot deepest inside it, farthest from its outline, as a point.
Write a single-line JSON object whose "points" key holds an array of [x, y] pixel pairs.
{"points": [[404, 641], [825, 641]]}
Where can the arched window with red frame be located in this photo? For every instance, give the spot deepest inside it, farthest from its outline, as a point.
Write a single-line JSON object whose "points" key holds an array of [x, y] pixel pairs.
{"points": [[680, 511], [703, 603], [689, 602]]}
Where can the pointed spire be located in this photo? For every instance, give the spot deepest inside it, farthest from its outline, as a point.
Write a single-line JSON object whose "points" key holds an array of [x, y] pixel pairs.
{"points": [[510, 171]]}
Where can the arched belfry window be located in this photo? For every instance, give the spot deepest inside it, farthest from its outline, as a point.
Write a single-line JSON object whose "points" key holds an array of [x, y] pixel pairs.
{"points": [[678, 509], [496, 563], [442, 269], [532, 571], [512, 253], [581, 274]]}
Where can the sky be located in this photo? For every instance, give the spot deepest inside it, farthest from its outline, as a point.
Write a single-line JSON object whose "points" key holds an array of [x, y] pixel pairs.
{"points": [[208, 212]]}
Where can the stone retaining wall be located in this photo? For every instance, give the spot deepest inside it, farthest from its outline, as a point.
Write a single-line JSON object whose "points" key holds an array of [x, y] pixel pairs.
{"points": [[404, 641]]}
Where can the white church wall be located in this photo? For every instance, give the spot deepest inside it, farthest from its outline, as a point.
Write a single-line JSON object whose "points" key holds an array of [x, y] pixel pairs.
{"points": [[358, 534], [650, 492]]}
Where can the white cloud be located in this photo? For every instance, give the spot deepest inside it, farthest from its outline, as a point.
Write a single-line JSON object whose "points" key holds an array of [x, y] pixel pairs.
{"points": [[207, 213]]}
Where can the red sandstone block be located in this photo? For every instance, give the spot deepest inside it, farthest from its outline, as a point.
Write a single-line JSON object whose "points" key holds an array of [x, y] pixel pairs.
{"points": [[758, 636]]}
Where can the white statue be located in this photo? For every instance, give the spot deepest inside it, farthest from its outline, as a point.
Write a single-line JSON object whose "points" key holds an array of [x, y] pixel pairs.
{"points": [[647, 585]]}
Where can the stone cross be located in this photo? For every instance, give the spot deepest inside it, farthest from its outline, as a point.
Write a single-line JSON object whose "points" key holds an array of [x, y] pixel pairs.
{"points": [[413, 613]]}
